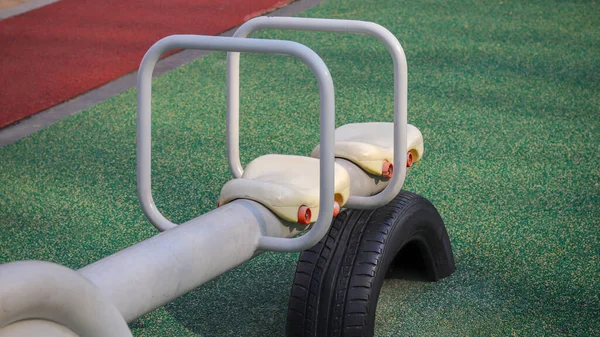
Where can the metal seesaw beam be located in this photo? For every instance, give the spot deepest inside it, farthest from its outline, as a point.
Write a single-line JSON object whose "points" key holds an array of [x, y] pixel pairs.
{"points": [[156, 271]]}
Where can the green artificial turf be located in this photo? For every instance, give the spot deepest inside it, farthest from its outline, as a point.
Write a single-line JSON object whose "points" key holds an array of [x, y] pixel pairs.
{"points": [[506, 93]]}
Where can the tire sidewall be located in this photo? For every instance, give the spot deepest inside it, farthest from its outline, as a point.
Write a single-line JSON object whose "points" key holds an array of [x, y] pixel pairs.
{"points": [[414, 222]]}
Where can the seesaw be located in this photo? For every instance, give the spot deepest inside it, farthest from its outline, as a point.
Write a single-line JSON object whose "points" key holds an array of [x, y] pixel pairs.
{"points": [[343, 207]]}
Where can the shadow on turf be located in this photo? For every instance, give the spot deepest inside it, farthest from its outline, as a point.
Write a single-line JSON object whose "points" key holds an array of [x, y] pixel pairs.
{"points": [[250, 300]]}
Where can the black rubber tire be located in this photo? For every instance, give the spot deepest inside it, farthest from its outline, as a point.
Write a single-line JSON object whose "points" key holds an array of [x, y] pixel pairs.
{"points": [[337, 282]]}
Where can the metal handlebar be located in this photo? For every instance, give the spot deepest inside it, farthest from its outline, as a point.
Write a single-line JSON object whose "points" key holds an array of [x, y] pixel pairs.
{"points": [[327, 25], [327, 125]]}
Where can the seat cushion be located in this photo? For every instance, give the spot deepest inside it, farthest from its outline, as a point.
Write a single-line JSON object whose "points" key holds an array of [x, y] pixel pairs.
{"points": [[369, 145], [283, 183]]}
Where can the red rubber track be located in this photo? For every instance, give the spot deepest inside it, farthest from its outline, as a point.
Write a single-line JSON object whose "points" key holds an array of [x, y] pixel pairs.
{"points": [[62, 50]]}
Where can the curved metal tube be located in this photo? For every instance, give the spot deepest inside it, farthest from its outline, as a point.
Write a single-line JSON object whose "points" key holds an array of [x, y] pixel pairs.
{"points": [[327, 25], [327, 125], [36, 327], [48, 291]]}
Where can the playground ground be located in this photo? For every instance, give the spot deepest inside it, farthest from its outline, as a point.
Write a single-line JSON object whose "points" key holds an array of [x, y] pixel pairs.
{"points": [[506, 93]]}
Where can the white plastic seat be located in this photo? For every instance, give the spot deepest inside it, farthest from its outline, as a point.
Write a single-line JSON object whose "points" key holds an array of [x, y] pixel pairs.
{"points": [[371, 145], [284, 184]]}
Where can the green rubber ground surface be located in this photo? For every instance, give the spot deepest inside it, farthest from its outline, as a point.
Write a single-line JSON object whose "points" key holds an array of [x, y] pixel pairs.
{"points": [[506, 93]]}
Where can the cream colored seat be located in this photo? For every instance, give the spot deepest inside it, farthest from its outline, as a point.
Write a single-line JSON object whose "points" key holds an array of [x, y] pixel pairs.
{"points": [[371, 145], [287, 185]]}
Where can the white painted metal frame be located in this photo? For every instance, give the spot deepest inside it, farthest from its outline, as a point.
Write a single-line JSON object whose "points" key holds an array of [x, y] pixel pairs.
{"points": [[99, 298], [327, 126], [327, 25], [39, 291]]}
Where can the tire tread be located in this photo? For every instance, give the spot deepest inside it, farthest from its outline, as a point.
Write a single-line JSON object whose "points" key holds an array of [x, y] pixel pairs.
{"points": [[337, 281]]}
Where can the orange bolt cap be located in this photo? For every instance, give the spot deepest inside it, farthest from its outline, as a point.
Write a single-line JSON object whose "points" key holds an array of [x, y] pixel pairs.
{"points": [[387, 170], [336, 208], [304, 215], [409, 159]]}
